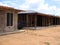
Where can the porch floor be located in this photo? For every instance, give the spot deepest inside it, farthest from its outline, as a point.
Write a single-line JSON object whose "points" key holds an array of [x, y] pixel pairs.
{"points": [[38, 28]]}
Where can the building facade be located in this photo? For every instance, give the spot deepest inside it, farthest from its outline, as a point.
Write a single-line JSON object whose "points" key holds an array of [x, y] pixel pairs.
{"points": [[13, 19], [8, 19]]}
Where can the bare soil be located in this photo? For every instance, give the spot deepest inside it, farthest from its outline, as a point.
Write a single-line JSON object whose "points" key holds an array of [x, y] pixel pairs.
{"points": [[46, 36]]}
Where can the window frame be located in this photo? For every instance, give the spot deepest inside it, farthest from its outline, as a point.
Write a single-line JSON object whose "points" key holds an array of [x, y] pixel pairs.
{"points": [[9, 19]]}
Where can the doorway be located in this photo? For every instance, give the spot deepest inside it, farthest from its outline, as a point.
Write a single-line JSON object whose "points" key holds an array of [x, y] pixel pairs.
{"points": [[21, 21], [39, 20]]}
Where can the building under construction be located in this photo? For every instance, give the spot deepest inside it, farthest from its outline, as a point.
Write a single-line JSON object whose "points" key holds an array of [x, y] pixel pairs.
{"points": [[13, 19], [35, 19]]}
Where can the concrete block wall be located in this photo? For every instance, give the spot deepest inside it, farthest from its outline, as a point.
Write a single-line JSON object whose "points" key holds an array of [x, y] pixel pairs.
{"points": [[3, 21]]}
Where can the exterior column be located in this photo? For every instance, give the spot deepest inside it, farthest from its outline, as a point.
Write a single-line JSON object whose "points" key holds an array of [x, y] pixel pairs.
{"points": [[51, 20], [27, 20], [42, 21], [31, 20], [59, 21], [48, 21], [55, 21], [35, 21]]}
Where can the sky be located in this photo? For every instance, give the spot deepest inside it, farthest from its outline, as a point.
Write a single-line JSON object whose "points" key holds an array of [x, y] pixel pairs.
{"points": [[43, 6]]}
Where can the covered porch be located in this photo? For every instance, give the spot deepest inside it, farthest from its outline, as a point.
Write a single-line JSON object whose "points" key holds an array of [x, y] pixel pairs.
{"points": [[33, 20]]}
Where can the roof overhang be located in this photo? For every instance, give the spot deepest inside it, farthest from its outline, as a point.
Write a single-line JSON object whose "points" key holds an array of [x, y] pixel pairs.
{"points": [[27, 12], [9, 8], [49, 15], [37, 13]]}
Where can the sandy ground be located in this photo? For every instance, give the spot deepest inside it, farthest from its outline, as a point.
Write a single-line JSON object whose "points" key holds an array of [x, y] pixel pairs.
{"points": [[46, 36]]}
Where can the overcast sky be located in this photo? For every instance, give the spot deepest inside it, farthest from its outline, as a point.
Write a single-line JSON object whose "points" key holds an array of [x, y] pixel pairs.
{"points": [[42, 6]]}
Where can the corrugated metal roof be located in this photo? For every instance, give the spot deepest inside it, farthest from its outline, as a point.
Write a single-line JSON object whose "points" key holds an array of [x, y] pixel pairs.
{"points": [[37, 13], [28, 11]]}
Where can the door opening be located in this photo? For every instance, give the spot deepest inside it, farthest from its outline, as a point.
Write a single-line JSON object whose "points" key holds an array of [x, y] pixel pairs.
{"points": [[21, 21], [39, 20]]}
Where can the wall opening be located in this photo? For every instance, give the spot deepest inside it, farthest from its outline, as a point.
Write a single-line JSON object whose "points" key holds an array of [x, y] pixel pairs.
{"points": [[39, 20], [21, 20], [9, 19]]}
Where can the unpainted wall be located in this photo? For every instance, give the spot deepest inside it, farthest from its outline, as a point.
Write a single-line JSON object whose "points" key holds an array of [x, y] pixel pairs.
{"points": [[3, 21]]}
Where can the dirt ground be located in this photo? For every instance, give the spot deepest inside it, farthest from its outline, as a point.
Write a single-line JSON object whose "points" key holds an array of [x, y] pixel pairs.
{"points": [[46, 36]]}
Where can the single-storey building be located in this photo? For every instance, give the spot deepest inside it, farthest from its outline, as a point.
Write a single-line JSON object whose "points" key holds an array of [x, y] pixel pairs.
{"points": [[13, 19], [35, 19], [8, 18]]}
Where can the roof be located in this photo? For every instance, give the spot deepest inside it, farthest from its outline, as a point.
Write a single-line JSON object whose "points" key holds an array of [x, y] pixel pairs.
{"points": [[37, 13], [49, 15], [9, 8], [27, 11]]}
